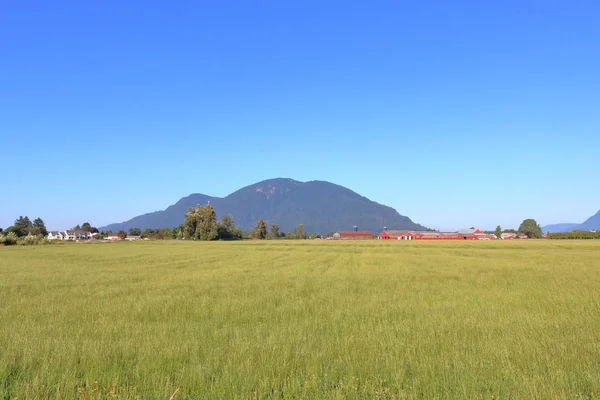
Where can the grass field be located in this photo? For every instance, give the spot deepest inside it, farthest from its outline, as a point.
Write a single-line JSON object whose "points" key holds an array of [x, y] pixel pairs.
{"points": [[307, 319]]}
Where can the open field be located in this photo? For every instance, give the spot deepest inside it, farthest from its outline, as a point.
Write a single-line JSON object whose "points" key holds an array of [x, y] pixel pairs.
{"points": [[307, 319]]}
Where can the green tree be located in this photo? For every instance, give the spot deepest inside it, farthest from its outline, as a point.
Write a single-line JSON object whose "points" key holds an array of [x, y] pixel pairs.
{"points": [[23, 226], [200, 223], [40, 227], [207, 227], [260, 230], [301, 231], [12, 229], [498, 231], [166, 234], [190, 222], [135, 232], [148, 233], [178, 232], [228, 230], [122, 234], [86, 227], [530, 228], [274, 231], [77, 227]]}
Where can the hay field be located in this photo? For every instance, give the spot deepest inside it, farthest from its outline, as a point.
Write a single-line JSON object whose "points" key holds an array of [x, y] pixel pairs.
{"points": [[305, 319]]}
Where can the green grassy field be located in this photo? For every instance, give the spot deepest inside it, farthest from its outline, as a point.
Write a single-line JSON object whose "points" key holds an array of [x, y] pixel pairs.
{"points": [[307, 319]]}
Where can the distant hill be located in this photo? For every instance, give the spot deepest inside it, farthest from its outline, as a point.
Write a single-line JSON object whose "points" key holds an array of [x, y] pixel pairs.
{"points": [[591, 224], [567, 227], [321, 206]]}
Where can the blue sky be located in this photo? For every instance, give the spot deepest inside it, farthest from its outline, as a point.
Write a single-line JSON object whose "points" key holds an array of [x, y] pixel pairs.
{"points": [[455, 113]]}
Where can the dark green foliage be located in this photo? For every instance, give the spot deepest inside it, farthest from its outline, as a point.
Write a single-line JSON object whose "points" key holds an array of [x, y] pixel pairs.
{"points": [[498, 231], [86, 227], [22, 226], [320, 206], [158, 234], [135, 232], [575, 235], [39, 227], [530, 228], [122, 234], [227, 229], [178, 232]]}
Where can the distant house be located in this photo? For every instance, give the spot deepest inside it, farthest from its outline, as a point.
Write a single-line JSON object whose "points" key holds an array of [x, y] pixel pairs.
{"points": [[113, 236], [77, 235], [353, 236], [69, 235], [508, 235], [132, 238], [55, 235]]}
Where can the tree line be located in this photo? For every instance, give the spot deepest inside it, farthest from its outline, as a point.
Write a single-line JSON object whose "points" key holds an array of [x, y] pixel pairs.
{"points": [[200, 223], [576, 234]]}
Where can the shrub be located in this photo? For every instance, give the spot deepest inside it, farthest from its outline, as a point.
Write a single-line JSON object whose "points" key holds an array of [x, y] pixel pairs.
{"points": [[8, 240]]}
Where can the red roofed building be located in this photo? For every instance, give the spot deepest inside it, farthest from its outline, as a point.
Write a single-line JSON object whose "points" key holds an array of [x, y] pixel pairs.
{"points": [[353, 236], [465, 234], [391, 235]]}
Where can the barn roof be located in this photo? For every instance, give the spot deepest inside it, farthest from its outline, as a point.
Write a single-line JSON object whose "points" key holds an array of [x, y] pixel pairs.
{"points": [[395, 232], [432, 233], [469, 231], [352, 233]]}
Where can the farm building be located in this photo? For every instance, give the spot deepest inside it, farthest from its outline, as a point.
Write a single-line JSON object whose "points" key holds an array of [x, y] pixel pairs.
{"points": [[465, 234], [391, 235], [353, 235]]}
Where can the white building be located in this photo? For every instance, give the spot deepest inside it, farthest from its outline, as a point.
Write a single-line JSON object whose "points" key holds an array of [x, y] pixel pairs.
{"points": [[69, 235]]}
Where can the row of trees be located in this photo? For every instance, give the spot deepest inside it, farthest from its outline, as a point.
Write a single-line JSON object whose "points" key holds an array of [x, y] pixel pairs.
{"points": [[261, 231], [528, 227], [24, 227], [86, 226], [200, 223], [576, 234]]}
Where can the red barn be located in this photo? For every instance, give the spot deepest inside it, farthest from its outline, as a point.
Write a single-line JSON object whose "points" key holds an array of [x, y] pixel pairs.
{"points": [[391, 234], [465, 234]]}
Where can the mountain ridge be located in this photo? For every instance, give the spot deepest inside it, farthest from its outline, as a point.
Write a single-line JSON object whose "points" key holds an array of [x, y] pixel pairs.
{"points": [[592, 223], [320, 206]]}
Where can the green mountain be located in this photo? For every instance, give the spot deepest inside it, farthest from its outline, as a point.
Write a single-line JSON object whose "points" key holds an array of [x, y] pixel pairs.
{"points": [[320, 206]]}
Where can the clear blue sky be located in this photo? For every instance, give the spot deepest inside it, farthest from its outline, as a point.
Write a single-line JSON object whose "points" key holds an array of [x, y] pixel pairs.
{"points": [[455, 113]]}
